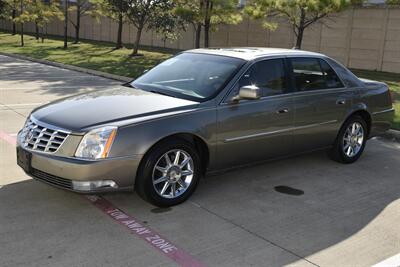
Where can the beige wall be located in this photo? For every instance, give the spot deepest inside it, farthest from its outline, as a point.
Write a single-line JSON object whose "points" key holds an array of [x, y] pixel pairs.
{"points": [[364, 38]]}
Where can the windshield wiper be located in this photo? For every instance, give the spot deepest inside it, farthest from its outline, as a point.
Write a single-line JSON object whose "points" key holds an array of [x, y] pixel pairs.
{"points": [[160, 93]]}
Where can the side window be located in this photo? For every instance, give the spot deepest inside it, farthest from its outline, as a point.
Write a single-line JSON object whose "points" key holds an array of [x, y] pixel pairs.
{"points": [[307, 74], [332, 80], [347, 76], [268, 75]]}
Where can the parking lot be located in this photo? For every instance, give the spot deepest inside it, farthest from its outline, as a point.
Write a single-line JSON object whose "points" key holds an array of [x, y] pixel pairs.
{"points": [[341, 215]]}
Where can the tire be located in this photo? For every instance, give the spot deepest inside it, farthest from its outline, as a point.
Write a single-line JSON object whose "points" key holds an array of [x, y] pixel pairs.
{"points": [[349, 145], [155, 173]]}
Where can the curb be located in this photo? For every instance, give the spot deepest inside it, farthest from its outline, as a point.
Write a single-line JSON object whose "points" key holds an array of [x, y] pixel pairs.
{"points": [[392, 135], [70, 67]]}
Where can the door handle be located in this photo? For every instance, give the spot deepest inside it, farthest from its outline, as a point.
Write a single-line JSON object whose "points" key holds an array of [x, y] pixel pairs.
{"points": [[340, 102], [281, 111]]}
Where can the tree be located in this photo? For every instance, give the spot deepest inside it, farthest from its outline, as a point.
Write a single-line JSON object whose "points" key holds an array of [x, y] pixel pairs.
{"points": [[3, 6], [150, 14], [190, 12], [23, 17], [207, 14], [65, 6], [300, 13], [115, 10], [81, 8], [393, 2], [8, 10], [42, 13]]}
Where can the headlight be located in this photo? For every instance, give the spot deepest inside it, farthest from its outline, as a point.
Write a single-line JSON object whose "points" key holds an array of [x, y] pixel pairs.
{"points": [[97, 143]]}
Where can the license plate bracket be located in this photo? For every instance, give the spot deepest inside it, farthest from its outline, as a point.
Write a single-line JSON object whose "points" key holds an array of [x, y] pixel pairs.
{"points": [[24, 159]]}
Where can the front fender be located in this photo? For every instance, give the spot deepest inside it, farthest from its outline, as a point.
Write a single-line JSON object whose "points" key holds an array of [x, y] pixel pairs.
{"points": [[137, 139]]}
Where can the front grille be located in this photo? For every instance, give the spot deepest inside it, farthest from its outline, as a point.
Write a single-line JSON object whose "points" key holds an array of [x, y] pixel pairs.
{"points": [[51, 179], [40, 138]]}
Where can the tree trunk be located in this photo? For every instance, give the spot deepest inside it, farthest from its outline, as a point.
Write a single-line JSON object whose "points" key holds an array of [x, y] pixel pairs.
{"points": [[300, 29], [22, 34], [198, 26], [137, 40], [22, 24], [14, 26], [65, 24], [207, 23], [206, 35], [119, 36], [42, 34], [78, 22], [198, 35], [299, 38], [37, 31]]}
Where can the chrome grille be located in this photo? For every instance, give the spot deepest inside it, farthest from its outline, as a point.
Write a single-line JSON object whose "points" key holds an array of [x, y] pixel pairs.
{"points": [[40, 138]]}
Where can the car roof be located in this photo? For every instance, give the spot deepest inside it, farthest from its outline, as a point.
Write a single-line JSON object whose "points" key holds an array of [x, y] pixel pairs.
{"points": [[250, 53]]}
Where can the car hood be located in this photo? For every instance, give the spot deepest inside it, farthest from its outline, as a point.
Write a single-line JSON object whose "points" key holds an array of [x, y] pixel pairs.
{"points": [[111, 106]]}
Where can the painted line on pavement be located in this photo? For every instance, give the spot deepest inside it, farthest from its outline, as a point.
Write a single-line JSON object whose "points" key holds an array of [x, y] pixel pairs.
{"points": [[393, 261], [158, 242], [8, 138]]}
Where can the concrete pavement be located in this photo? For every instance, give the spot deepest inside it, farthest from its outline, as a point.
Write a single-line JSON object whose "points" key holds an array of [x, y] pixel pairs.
{"points": [[348, 215]]}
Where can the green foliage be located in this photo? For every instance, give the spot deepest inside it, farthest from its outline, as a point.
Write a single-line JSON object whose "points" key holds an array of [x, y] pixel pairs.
{"points": [[218, 12], [24, 14], [109, 8], [42, 13], [151, 14], [84, 6], [393, 2], [300, 13], [148, 12], [2, 8], [207, 14]]}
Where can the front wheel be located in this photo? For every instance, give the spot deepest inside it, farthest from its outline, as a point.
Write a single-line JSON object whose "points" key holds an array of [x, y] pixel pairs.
{"points": [[169, 173], [351, 140]]}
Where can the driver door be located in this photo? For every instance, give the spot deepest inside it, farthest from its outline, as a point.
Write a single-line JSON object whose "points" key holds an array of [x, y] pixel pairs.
{"points": [[254, 130]]}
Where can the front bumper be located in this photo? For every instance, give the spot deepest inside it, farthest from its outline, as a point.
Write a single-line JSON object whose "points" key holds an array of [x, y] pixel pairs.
{"points": [[84, 176]]}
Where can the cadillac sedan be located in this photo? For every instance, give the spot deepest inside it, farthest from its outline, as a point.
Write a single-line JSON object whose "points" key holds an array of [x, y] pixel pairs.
{"points": [[200, 111]]}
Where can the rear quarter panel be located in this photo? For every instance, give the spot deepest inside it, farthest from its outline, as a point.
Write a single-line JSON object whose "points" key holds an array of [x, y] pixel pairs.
{"points": [[374, 97]]}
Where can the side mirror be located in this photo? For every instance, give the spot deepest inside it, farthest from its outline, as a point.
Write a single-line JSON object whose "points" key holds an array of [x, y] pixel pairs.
{"points": [[250, 92]]}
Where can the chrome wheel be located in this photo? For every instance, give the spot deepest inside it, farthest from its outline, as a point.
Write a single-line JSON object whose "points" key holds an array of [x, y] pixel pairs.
{"points": [[353, 139], [173, 173]]}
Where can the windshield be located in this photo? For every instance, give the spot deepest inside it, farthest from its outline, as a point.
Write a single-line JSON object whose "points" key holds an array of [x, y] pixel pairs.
{"points": [[191, 76]]}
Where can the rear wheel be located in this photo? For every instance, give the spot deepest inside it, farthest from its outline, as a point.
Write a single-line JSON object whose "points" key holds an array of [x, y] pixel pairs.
{"points": [[351, 140], [169, 173]]}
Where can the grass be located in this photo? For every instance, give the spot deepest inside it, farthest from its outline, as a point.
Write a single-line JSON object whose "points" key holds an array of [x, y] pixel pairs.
{"points": [[95, 55], [101, 56], [391, 79]]}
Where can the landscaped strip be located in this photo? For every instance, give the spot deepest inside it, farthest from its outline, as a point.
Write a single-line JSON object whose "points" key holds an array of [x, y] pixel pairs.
{"points": [[101, 56]]}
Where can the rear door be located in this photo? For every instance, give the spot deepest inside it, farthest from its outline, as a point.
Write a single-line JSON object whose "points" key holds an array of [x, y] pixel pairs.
{"points": [[252, 130], [320, 103]]}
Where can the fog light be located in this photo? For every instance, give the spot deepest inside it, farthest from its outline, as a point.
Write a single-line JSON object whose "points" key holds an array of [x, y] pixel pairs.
{"points": [[93, 185]]}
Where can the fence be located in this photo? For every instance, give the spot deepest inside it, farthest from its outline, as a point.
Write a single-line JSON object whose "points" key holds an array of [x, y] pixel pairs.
{"points": [[363, 38]]}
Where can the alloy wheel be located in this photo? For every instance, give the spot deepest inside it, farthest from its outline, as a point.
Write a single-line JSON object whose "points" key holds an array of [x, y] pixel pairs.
{"points": [[173, 173], [353, 139]]}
